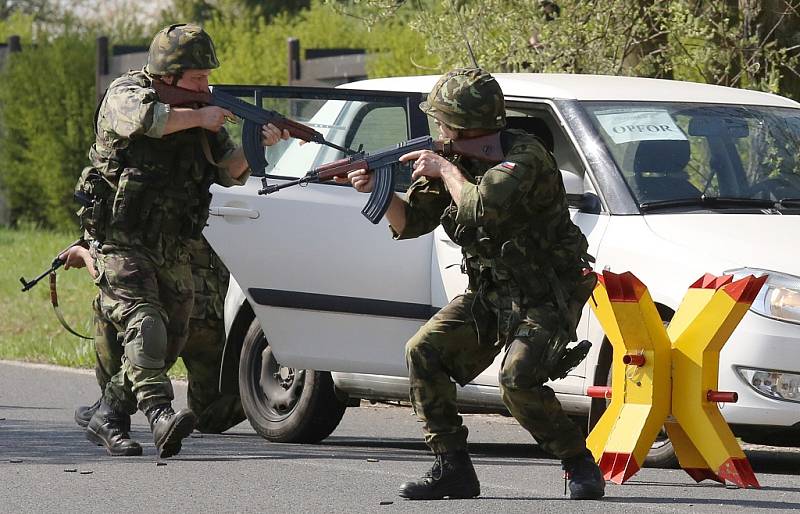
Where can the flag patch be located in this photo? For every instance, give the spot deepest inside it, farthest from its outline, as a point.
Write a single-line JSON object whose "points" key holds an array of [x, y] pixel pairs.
{"points": [[508, 165]]}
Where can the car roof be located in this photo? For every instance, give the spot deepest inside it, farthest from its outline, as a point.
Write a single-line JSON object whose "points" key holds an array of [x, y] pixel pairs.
{"points": [[593, 87]]}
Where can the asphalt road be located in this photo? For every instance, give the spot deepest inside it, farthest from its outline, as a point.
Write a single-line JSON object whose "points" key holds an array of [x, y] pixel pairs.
{"points": [[46, 465]]}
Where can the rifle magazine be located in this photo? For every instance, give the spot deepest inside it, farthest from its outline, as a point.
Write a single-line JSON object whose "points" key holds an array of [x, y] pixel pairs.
{"points": [[253, 149], [381, 195]]}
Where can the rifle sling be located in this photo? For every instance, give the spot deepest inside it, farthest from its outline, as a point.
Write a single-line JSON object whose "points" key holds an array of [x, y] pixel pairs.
{"points": [[207, 148], [57, 309]]}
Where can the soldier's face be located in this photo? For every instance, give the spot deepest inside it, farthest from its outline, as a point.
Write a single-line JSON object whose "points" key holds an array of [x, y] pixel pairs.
{"points": [[195, 80], [445, 131]]}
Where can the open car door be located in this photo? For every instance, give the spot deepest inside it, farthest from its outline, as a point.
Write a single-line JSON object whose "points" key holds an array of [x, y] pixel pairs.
{"points": [[332, 291]]}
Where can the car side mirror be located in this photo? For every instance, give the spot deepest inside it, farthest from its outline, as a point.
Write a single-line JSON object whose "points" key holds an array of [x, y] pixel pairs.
{"points": [[576, 197], [586, 202]]}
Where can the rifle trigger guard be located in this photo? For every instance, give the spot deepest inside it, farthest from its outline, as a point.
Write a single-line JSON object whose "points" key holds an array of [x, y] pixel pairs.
{"points": [[447, 147]]}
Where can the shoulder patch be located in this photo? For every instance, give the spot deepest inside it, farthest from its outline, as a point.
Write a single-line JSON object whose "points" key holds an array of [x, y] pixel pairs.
{"points": [[508, 165]]}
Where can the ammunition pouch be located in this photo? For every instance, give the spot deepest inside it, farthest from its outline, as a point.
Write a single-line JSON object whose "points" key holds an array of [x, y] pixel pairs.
{"points": [[461, 235], [92, 193], [132, 201], [526, 272]]}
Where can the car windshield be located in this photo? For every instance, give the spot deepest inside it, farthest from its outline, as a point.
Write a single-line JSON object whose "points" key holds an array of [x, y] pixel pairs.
{"points": [[711, 156]]}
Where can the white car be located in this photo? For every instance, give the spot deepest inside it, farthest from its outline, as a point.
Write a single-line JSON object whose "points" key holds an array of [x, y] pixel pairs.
{"points": [[667, 179]]}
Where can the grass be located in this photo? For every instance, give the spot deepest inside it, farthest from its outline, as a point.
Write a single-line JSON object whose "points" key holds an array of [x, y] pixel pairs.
{"points": [[29, 329]]}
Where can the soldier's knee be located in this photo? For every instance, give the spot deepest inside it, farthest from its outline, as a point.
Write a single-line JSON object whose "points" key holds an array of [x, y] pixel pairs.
{"points": [[146, 339], [414, 347], [420, 354], [521, 368]]}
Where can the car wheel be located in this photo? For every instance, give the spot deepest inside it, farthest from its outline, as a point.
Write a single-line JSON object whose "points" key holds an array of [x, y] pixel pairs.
{"points": [[284, 404], [661, 454]]}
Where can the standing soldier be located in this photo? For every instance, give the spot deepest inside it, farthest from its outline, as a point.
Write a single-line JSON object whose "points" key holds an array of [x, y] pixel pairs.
{"points": [[216, 412], [148, 186], [526, 263]]}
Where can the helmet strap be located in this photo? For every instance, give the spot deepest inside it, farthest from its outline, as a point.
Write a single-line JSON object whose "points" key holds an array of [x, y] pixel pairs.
{"points": [[175, 78]]}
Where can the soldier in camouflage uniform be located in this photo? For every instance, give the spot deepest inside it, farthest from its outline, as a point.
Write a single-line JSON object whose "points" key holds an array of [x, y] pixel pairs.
{"points": [[526, 263], [148, 186], [202, 355]]}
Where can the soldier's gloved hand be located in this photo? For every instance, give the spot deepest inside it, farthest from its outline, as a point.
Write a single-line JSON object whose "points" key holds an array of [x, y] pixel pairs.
{"points": [[212, 117], [362, 180], [270, 134]]}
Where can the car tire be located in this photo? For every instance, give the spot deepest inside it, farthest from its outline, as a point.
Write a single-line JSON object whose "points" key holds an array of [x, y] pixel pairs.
{"points": [[661, 454], [283, 404]]}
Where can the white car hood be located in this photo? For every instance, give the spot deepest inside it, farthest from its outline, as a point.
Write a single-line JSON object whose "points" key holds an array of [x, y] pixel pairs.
{"points": [[765, 241]]}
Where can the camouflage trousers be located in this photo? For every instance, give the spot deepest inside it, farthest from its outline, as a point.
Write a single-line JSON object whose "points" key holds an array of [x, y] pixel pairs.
{"points": [[461, 341], [202, 354], [148, 305]]}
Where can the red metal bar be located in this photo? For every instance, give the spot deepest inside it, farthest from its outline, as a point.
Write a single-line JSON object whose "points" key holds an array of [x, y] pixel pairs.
{"points": [[599, 392], [636, 359], [722, 396]]}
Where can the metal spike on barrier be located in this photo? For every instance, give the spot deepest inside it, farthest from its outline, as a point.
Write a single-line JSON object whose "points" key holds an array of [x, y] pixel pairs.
{"points": [[669, 377]]}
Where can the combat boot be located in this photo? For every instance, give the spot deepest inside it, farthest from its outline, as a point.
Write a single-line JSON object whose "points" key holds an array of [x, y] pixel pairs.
{"points": [[170, 428], [451, 475], [110, 429], [585, 478], [83, 413]]}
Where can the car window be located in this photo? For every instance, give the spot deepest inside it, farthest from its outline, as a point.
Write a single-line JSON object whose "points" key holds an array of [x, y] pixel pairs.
{"points": [[376, 127], [380, 126], [293, 158], [676, 151], [359, 125], [356, 119], [540, 120]]}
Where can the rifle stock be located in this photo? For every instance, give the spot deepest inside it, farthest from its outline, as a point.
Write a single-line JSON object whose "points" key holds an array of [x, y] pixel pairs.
{"points": [[254, 118], [383, 164]]}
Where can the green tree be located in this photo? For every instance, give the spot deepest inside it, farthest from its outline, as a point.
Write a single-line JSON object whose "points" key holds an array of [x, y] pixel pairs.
{"points": [[745, 43], [201, 11], [252, 50], [46, 106], [39, 9], [16, 24]]}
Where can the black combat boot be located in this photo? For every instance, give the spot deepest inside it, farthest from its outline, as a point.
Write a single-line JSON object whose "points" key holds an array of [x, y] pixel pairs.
{"points": [[110, 429], [585, 478], [83, 413], [170, 428], [451, 475]]}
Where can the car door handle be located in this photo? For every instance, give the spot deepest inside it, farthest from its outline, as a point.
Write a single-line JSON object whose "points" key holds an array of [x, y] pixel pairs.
{"points": [[236, 212]]}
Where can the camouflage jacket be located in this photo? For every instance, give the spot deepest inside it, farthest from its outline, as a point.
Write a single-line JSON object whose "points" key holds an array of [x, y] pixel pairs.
{"points": [[149, 189], [512, 222]]}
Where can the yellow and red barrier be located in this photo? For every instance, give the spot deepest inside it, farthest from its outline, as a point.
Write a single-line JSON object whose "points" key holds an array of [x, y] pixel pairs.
{"points": [[668, 377]]}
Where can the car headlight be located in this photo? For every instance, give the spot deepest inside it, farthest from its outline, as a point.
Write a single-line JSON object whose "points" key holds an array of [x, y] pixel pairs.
{"points": [[772, 384], [779, 298]]}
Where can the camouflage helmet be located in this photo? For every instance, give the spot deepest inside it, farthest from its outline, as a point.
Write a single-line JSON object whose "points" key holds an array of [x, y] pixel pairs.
{"points": [[467, 98], [181, 47]]}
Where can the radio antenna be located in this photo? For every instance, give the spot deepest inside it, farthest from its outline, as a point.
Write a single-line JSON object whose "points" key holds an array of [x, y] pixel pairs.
{"points": [[464, 35]]}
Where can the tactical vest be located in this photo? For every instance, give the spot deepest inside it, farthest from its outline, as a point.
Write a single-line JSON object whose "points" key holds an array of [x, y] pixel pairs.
{"points": [[523, 254], [148, 190]]}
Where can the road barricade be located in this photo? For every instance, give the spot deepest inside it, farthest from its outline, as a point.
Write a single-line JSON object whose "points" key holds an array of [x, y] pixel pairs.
{"points": [[668, 377]]}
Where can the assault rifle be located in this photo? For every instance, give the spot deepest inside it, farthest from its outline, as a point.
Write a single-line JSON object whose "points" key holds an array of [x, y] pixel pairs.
{"points": [[57, 263], [383, 164], [254, 117]]}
